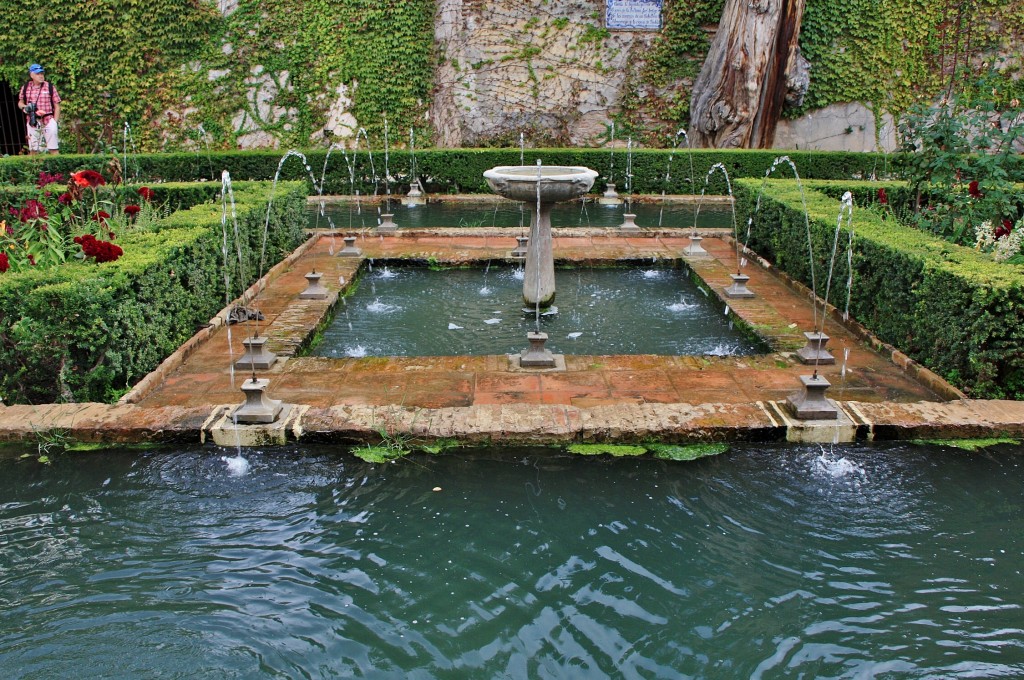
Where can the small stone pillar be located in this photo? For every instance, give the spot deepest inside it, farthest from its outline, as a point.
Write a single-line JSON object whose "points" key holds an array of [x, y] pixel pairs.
{"points": [[738, 289], [257, 357], [811, 403], [629, 223], [387, 226], [257, 408], [519, 253], [536, 355], [610, 196], [350, 249], [415, 196], [814, 351], [314, 289], [695, 249]]}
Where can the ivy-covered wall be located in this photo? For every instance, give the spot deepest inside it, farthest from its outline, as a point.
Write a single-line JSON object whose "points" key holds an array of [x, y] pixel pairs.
{"points": [[304, 73]]}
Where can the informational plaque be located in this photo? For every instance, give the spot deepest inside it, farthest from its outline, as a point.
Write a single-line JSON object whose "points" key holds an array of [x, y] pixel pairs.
{"points": [[633, 15]]}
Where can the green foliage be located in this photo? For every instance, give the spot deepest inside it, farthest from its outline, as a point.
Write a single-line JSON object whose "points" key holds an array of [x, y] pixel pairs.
{"points": [[110, 61], [450, 170], [891, 53], [950, 145], [617, 450], [166, 67], [953, 309], [657, 98], [381, 453], [968, 444], [683, 452], [298, 52], [85, 331], [441, 445]]}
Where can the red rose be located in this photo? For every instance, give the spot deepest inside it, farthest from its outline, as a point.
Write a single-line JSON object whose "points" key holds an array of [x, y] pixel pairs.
{"points": [[973, 190]]}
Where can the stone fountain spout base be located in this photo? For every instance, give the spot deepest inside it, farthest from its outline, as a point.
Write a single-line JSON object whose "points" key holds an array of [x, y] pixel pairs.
{"points": [[537, 356], [811, 403]]}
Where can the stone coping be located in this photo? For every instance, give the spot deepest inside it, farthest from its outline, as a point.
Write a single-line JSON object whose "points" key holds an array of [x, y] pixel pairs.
{"points": [[693, 199], [522, 423]]}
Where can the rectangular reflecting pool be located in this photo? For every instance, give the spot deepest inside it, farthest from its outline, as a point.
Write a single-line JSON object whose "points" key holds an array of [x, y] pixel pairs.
{"points": [[436, 214], [401, 310]]}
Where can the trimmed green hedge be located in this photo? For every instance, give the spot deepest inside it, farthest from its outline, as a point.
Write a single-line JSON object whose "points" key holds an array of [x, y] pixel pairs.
{"points": [[953, 309], [457, 170], [86, 332], [176, 195]]}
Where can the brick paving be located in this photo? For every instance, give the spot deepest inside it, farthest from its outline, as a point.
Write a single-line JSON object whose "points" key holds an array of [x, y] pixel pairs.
{"points": [[596, 397]]}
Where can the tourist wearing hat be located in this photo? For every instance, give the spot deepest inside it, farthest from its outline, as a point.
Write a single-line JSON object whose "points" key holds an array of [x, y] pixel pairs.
{"points": [[41, 104]]}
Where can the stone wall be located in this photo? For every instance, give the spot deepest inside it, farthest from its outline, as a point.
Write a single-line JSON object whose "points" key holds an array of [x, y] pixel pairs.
{"points": [[548, 70]]}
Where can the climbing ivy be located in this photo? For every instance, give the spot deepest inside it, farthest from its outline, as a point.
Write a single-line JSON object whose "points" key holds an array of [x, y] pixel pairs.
{"points": [[296, 55], [277, 66], [893, 53], [671, 64], [111, 60]]}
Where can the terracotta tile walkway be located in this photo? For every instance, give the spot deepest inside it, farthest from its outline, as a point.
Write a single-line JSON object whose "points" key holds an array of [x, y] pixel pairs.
{"points": [[779, 313]]}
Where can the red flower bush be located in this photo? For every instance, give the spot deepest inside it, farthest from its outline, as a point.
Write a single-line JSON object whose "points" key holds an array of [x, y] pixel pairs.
{"points": [[1003, 229], [65, 199], [5, 263], [882, 197], [146, 193], [88, 178], [103, 251], [32, 210], [46, 178], [974, 191], [131, 210]]}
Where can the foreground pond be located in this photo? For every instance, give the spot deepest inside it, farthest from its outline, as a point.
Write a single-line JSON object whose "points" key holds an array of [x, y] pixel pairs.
{"points": [[780, 561]]}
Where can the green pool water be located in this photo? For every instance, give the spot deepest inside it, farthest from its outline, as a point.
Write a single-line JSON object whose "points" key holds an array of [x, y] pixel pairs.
{"points": [[414, 311], [767, 561]]}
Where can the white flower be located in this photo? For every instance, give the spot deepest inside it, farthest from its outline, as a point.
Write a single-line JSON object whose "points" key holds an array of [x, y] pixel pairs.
{"points": [[984, 236]]}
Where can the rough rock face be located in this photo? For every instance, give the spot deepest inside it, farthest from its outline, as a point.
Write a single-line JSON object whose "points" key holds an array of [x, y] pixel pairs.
{"points": [[547, 70]]}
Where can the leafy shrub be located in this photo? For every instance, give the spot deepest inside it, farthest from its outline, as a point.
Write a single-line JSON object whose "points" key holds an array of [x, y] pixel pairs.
{"points": [[86, 332]]}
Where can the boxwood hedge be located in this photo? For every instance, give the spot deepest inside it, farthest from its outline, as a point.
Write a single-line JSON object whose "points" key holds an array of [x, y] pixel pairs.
{"points": [[953, 309], [86, 332], [456, 170]]}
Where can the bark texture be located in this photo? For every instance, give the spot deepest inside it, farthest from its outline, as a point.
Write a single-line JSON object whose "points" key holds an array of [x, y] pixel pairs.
{"points": [[753, 69]]}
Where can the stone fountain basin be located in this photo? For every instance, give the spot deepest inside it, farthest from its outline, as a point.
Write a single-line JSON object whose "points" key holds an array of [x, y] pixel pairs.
{"points": [[557, 182]]}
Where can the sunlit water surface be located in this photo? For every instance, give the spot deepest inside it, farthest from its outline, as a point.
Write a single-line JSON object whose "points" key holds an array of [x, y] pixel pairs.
{"points": [[410, 311], [762, 562]]}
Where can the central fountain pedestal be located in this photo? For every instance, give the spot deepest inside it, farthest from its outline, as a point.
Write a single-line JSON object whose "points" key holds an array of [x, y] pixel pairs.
{"points": [[540, 187]]}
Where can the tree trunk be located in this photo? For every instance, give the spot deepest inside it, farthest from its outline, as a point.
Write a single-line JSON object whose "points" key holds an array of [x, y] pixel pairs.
{"points": [[753, 68]]}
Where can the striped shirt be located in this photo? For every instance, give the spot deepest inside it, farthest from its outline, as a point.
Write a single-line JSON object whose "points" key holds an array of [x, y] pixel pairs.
{"points": [[40, 94]]}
